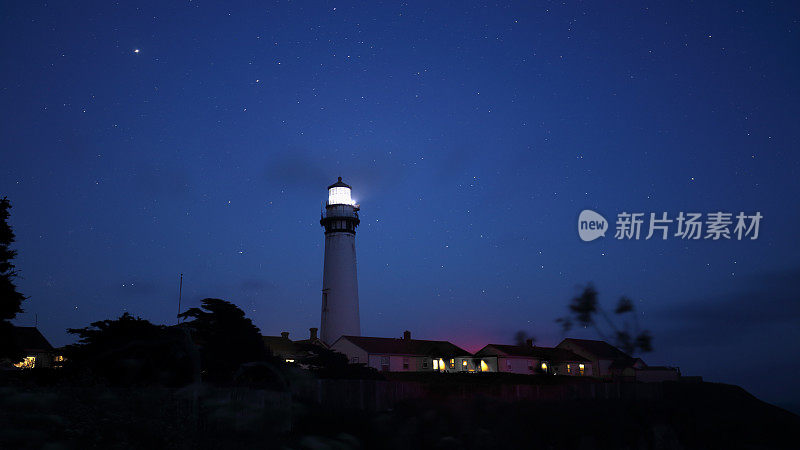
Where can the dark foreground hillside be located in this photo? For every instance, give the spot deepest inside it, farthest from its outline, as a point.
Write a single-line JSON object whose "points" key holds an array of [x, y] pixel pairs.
{"points": [[686, 416]]}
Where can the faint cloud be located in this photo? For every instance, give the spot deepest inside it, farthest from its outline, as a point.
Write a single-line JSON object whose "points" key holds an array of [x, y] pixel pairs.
{"points": [[368, 172], [758, 304], [296, 169]]}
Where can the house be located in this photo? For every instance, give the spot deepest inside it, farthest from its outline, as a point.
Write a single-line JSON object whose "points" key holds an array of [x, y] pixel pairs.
{"points": [[312, 339], [405, 354], [530, 359], [606, 360], [38, 351], [288, 350], [610, 362]]}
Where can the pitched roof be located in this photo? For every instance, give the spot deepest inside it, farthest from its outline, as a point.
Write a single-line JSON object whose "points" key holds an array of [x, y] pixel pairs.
{"points": [[315, 341], [339, 183], [31, 339], [394, 346], [655, 368], [510, 350], [278, 344], [548, 353], [622, 363], [599, 349]]}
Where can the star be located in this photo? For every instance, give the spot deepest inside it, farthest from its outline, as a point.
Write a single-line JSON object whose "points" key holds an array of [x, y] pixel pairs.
{"points": [[136, 50]]}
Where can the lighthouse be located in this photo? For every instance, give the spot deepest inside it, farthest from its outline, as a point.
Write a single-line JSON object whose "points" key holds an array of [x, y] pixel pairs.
{"points": [[339, 280]]}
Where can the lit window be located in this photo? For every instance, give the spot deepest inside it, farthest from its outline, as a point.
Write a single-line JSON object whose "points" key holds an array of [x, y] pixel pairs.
{"points": [[289, 360], [568, 370], [580, 367], [340, 196], [435, 364], [28, 363], [452, 363], [464, 363], [544, 367], [484, 366]]}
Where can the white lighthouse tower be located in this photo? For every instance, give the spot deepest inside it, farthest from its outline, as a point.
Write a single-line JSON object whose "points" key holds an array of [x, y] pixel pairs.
{"points": [[339, 281]]}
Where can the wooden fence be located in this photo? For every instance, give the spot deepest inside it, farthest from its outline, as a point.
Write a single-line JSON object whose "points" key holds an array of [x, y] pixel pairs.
{"points": [[378, 395]]}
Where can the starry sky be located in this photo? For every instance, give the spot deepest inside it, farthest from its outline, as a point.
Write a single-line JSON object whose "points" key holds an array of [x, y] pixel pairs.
{"points": [[142, 140]]}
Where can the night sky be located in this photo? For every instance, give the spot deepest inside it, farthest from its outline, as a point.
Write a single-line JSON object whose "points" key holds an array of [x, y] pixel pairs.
{"points": [[141, 142]]}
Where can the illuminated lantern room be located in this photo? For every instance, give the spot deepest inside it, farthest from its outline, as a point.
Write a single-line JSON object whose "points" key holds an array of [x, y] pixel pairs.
{"points": [[340, 213], [339, 194]]}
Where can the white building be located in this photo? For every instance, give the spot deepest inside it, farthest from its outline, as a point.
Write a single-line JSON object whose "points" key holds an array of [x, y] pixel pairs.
{"points": [[339, 280], [530, 359], [405, 355], [610, 362]]}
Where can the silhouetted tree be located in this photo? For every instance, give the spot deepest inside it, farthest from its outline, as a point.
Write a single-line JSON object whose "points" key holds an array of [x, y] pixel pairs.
{"points": [[131, 351], [625, 305], [584, 306], [226, 338], [10, 298], [584, 309], [326, 363]]}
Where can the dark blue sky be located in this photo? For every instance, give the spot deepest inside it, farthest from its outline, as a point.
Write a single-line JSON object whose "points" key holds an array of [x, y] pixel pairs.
{"points": [[473, 134]]}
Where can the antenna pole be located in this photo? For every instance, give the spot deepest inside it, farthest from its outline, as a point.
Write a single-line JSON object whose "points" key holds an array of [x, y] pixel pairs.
{"points": [[180, 292]]}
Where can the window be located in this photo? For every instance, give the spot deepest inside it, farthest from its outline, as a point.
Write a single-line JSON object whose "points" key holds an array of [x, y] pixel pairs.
{"points": [[435, 364], [530, 365], [568, 369], [580, 368], [464, 365], [28, 363], [354, 360], [405, 363], [289, 360], [452, 363], [425, 363], [544, 367], [508, 365], [385, 363], [340, 196]]}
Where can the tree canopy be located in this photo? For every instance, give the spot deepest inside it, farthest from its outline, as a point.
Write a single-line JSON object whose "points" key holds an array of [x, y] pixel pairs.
{"points": [[132, 351], [226, 338], [584, 310], [10, 299]]}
